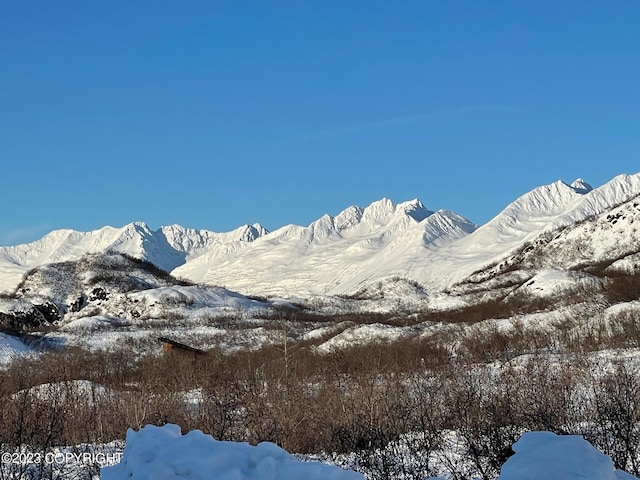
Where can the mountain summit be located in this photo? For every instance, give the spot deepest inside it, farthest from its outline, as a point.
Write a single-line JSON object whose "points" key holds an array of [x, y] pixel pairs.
{"points": [[580, 186]]}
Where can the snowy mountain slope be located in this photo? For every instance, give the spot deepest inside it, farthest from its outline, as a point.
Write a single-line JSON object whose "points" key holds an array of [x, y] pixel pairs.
{"points": [[167, 247], [523, 219], [333, 254], [543, 210], [11, 348], [605, 243], [385, 241]]}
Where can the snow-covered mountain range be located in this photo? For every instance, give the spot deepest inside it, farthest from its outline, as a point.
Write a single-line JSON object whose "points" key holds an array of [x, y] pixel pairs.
{"points": [[345, 253], [167, 247]]}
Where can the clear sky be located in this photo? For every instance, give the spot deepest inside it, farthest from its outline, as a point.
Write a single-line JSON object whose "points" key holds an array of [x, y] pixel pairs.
{"points": [[214, 114]]}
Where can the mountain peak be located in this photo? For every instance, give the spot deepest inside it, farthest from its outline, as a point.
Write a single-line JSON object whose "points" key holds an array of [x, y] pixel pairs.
{"points": [[381, 210], [261, 229], [378, 212], [415, 209], [580, 186], [248, 233], [137, 227], [348, 218]]}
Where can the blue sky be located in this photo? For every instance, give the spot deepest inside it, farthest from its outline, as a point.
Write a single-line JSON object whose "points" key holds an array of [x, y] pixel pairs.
{"points": [[217, 114]]}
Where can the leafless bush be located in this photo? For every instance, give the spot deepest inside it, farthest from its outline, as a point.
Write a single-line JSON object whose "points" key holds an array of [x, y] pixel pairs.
{"points": [[623, 288], [387, 405], [617, 416]]}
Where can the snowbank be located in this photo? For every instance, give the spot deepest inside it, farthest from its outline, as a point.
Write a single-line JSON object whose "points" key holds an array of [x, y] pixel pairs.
{"points": [[552, 281], [197, 296], [163, 453], [10, 348], [97, 322], [374, 333], [545, 455]]}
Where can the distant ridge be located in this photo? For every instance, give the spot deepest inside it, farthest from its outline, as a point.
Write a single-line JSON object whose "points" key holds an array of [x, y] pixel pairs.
{"points": [[167, 247], [336, 254]]}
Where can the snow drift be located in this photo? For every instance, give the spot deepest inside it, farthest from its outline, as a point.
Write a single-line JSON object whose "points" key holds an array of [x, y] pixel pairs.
{"points": [[10, 348], [545, 455], [163, 453]]}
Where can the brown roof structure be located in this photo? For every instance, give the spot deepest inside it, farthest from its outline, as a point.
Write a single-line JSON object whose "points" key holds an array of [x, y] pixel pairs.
{"points": [[172, 345]]}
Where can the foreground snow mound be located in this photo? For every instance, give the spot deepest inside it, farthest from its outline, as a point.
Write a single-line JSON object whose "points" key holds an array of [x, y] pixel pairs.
{"points": [[545, 455], [163, 453]]}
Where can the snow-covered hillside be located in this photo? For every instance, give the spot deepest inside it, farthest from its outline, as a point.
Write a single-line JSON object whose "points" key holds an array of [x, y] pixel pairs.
{"points": [[334, 254], [351, 252], [606, 243], [102, 299]]}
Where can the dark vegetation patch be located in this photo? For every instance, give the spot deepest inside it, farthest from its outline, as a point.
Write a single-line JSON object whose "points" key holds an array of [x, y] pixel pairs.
{"points": [[157, 271], [36, 318]]}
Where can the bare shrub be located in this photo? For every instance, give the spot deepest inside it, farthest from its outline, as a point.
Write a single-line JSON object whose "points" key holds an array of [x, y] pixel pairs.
{"points": [[623, 288], [384, 405], [617, 420]]}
